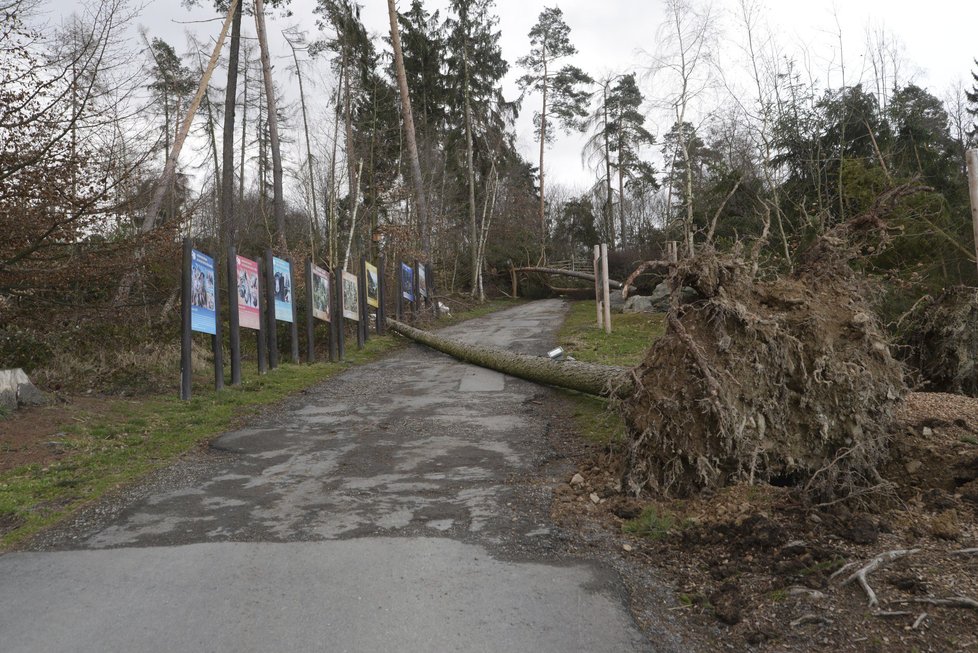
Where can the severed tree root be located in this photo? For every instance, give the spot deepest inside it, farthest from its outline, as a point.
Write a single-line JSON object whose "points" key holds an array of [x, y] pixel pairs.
{"points": [[950, 602], [810, 619], [965, 552], [871, 566]]}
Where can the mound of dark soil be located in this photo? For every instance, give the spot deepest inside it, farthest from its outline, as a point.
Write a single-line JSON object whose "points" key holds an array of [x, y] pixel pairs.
{"points": [[941, 341], [787, 381]]}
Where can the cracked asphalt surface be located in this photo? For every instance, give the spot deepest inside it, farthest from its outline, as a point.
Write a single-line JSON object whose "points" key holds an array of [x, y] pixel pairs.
{"points": [[401, 505]]}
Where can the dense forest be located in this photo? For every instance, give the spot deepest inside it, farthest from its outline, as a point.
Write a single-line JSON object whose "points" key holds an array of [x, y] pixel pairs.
{"points": [[405, 143]]}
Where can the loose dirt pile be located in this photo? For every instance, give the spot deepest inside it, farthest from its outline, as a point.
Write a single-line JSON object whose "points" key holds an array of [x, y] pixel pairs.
{"points": [[941, 341], [787, 382], [754, 567]]}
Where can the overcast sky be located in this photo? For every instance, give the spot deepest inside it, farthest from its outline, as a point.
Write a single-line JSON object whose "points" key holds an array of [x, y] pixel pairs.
{"points": [[613, 36]]}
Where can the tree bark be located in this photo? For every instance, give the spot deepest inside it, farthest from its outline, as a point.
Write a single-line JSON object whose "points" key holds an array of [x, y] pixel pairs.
{"points": [[600, 380], [543, 144], [470, 175], [409, 135], [571, 273], [278, 202], [229, 227]]}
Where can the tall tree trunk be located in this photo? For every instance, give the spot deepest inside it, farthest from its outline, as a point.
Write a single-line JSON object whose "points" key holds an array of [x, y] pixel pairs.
{"points": [[543, 143], [470, 174], [212, 142], [333, 226], [229, 225], [170, 169], [412, 144], [621, 192], [312, 173], [244, 146], [278, 202], [609, 207]]}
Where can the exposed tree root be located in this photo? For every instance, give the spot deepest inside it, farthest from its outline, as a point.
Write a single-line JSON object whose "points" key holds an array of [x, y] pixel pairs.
{"points": [[950, 602], [810, 618], [873, 564]]}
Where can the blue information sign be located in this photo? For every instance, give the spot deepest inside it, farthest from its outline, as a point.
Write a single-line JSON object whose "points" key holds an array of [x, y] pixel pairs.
{"points": [[407, 282], [283, 289], [203, 309]]}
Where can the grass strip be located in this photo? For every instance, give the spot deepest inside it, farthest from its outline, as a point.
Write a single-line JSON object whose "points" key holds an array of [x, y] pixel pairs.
{"points": [[631, 336]]}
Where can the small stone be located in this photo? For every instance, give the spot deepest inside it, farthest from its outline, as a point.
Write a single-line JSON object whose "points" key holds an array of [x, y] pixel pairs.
{"points": [[595, 498], [913, 466], [927, 432], [627, 547], [577, 480]]}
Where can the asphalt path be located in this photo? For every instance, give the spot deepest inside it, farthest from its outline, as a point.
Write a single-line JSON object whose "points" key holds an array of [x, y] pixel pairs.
{"points": [[401, 506]]}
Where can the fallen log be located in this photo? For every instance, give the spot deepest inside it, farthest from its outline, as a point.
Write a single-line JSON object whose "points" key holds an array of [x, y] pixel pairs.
{"points": [[600, 380], [587, 276]]}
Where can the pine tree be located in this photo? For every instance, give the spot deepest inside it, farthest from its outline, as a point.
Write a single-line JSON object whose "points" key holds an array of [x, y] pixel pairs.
{"points": [[563, 91], [972, 96], [475, 68]]}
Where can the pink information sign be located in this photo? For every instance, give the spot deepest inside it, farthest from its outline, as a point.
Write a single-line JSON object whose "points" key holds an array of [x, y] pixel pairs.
{"points": [[247, 293]]}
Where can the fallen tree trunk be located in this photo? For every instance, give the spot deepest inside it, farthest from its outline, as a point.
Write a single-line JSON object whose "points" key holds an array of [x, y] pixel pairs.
{"points": [[587, 276], [601, 380]]}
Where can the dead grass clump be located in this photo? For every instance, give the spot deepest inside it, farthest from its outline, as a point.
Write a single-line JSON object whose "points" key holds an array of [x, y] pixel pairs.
{"points": [[787, 381]]}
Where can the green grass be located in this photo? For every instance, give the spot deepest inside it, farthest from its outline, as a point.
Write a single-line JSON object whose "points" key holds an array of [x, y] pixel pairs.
{"points": [[969, 439], [130, 438], [653, 523], [631, 335]]}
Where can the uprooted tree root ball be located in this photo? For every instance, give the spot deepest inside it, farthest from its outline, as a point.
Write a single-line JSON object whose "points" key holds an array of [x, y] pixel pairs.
{"points": [[785, 381], [940, 338]]}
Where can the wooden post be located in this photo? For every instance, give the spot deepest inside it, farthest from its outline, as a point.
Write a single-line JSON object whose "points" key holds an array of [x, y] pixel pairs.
{"points": [[399, 303], [334, 353], [672, 251], [272, 330], [972, 158], [606, 290], [418, 303], [294, 327], [597, 286], [234, 327], [338, 318], [186, 335], [310, 320], [381, 291], [216, 340], [362, 305], [262, 318]]}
